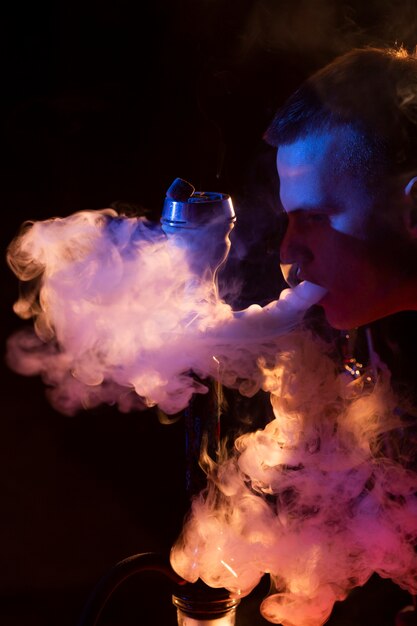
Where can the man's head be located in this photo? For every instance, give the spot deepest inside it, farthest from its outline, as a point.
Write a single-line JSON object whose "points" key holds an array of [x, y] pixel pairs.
{"points": [[347, 150]]}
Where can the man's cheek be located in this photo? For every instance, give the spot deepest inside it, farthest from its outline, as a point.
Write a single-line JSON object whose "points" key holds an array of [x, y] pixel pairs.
{"points": [[342, 224]]}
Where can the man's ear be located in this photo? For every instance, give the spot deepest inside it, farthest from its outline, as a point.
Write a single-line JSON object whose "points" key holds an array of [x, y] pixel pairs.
{"points": [[410, 214]]}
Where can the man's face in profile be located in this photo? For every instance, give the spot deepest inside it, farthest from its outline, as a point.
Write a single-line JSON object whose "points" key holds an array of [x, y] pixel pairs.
{"points": [[336, 233]]}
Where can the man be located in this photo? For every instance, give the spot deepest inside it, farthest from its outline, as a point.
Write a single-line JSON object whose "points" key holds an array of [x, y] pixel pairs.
{"points": [[347, 164]]}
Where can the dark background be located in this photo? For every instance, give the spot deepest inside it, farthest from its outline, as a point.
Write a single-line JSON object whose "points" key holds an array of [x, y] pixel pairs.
{"points": [[106, 103]]}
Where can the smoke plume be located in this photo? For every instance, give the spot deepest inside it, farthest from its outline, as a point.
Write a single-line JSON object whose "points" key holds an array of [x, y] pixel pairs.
{"points": [[120, 316], [313, 499]]}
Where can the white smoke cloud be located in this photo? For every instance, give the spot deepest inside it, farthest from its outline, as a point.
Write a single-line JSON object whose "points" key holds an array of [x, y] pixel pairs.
{"points": [[311, 499], [120, 317]]}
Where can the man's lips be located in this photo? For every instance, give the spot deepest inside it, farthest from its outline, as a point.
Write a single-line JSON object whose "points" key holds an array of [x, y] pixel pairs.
{"points": [[302, 276], [294, 275], [305, 276]]}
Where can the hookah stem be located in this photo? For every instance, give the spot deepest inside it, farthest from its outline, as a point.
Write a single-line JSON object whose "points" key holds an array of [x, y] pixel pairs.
{"points": [[202, 434], [203, 429], [123, 570], [184, 211], [200, 222], [219, 399]]}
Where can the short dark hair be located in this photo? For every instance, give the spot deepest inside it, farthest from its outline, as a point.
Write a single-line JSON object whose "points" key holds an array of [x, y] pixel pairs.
{"points": [[372, 90]]}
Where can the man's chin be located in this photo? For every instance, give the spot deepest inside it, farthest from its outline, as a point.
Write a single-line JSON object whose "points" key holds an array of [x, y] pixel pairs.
{"points": [[342, 314], [341, 318]]}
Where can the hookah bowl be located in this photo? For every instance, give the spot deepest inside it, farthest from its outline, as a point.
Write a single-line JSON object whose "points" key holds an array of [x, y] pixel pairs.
{"points": [[200, 222]]}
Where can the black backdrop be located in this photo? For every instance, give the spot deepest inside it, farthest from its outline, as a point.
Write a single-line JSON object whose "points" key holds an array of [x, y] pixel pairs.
{"points": [[105, 103]]}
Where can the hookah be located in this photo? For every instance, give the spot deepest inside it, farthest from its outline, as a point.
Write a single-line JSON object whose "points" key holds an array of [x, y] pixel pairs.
{"points": [[187, 216], [186, 213]]}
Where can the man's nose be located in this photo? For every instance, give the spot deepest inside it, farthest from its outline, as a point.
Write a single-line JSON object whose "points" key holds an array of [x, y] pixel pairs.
{"points": [[289, 246], [294, 248]]}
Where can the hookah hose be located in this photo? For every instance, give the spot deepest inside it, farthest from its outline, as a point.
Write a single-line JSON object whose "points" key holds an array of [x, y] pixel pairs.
{"points": [[148, 561]]}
